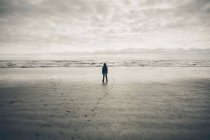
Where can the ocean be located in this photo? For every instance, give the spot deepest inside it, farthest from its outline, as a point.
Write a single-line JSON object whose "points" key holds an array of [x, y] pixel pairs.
{"points": [[153, 58]]}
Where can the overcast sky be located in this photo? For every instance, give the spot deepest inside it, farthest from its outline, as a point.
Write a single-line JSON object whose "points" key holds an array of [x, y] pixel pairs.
{"points": [[28, 26]]}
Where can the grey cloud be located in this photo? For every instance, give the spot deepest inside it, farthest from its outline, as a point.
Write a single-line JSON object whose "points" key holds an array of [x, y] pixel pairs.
{"points": [[88, 21], [195, 9]]}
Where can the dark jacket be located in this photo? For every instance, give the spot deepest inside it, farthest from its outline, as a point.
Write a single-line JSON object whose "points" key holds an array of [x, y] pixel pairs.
{"points": [[104, 69]]}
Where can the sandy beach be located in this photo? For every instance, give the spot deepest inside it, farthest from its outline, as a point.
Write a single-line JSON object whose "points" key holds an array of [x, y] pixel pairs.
{"points": [[147, 103], [53, 54]]}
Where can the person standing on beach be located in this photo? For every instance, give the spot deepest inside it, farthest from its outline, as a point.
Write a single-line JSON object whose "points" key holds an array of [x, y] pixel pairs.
{"points": [[104, 72]]}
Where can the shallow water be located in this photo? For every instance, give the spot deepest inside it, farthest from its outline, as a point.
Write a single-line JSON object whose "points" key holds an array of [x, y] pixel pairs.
{"points": [[94, 63], [140, 59]]}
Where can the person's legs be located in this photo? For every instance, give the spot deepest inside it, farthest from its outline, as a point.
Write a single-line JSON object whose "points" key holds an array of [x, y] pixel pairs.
{"points": [[103, 77]]}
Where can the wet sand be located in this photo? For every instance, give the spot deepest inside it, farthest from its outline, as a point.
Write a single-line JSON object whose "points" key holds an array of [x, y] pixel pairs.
{"points": [[137, 103]]}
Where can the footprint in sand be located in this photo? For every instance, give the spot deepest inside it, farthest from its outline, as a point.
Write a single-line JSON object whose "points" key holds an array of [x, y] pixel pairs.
{"points": [[14, 101], [52, 115], [37, 135], [45, 125], [85, 115], [61, 132], [69, 124], [94, 108]]}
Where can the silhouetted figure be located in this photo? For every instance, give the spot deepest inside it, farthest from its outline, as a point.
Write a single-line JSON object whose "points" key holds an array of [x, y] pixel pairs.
{"points": [[104, 72]]}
